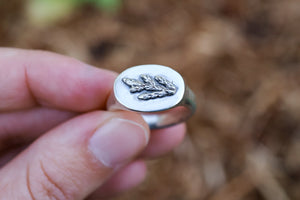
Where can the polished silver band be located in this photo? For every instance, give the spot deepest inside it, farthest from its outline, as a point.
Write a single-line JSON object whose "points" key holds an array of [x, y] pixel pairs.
{"points": [[157, 92]]}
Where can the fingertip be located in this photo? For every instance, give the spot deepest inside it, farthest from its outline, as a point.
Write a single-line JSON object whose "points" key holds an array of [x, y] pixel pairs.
{"points": [[125, 179], [71, 85], [165, 140], [35, 77], [133, 116]]}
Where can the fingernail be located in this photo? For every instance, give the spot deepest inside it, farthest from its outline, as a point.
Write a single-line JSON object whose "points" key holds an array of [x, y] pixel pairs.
{"points": [[118, 141]]}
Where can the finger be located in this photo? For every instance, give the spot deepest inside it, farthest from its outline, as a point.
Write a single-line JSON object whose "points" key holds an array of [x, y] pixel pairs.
{"points": [[125, 179], [8, 155], [30, 78], [161, 142], [165, 140], [76, 158], [24, 126]]}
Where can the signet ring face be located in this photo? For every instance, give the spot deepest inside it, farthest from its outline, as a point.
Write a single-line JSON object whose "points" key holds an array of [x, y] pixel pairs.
{"points": [[157, 92]]}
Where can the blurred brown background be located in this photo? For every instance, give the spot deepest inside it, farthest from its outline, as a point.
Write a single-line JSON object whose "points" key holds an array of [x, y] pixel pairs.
{"points": [[241, 58]]}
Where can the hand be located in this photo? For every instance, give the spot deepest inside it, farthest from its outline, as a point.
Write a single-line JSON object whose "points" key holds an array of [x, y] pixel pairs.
{"points": [[56, 139]]}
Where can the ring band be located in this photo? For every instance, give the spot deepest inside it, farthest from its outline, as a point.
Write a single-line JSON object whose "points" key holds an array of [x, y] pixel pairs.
{"points": [[157, 92]]}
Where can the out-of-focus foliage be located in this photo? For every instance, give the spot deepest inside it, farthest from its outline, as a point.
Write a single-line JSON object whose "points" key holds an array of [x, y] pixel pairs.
{"points": [[47, 12], [105, 5]]}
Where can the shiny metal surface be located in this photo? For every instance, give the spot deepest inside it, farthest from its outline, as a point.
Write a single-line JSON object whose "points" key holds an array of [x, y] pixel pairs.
{"points": [[157, 92]]}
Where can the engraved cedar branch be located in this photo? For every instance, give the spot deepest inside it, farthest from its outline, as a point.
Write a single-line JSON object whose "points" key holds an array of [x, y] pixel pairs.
{"points": [[135, 85], [158, 86]]}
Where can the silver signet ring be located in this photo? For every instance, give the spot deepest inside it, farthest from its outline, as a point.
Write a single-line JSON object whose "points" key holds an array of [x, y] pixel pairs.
{"points": [[157, 92]]}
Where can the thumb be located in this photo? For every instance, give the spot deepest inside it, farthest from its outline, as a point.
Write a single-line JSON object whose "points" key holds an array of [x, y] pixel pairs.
{"points": [[74, 159]]}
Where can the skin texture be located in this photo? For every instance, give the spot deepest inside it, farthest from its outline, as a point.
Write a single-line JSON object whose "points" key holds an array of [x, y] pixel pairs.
{"points": [[54, 131]]}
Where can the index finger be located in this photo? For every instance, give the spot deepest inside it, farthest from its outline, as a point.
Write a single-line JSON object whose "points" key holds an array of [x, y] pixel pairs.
{"points": [[30, 78]]}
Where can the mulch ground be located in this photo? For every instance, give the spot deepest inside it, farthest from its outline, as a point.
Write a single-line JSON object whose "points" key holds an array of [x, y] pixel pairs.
{"points": [[241, 58]]}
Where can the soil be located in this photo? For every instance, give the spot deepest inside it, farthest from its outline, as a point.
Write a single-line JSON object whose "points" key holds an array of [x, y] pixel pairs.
{"points": [[241, 58]]}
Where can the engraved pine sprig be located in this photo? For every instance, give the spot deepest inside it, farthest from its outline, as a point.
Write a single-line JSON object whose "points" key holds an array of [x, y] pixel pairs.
{"points": [[135, 85], [158, 86]]}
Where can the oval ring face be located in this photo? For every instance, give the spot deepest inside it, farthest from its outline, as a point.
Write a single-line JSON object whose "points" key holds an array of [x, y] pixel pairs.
{"points": [[149, 88]]}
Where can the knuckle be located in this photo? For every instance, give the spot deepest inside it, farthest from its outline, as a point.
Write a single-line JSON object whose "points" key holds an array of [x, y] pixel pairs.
{"points": [[42, 186]]}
